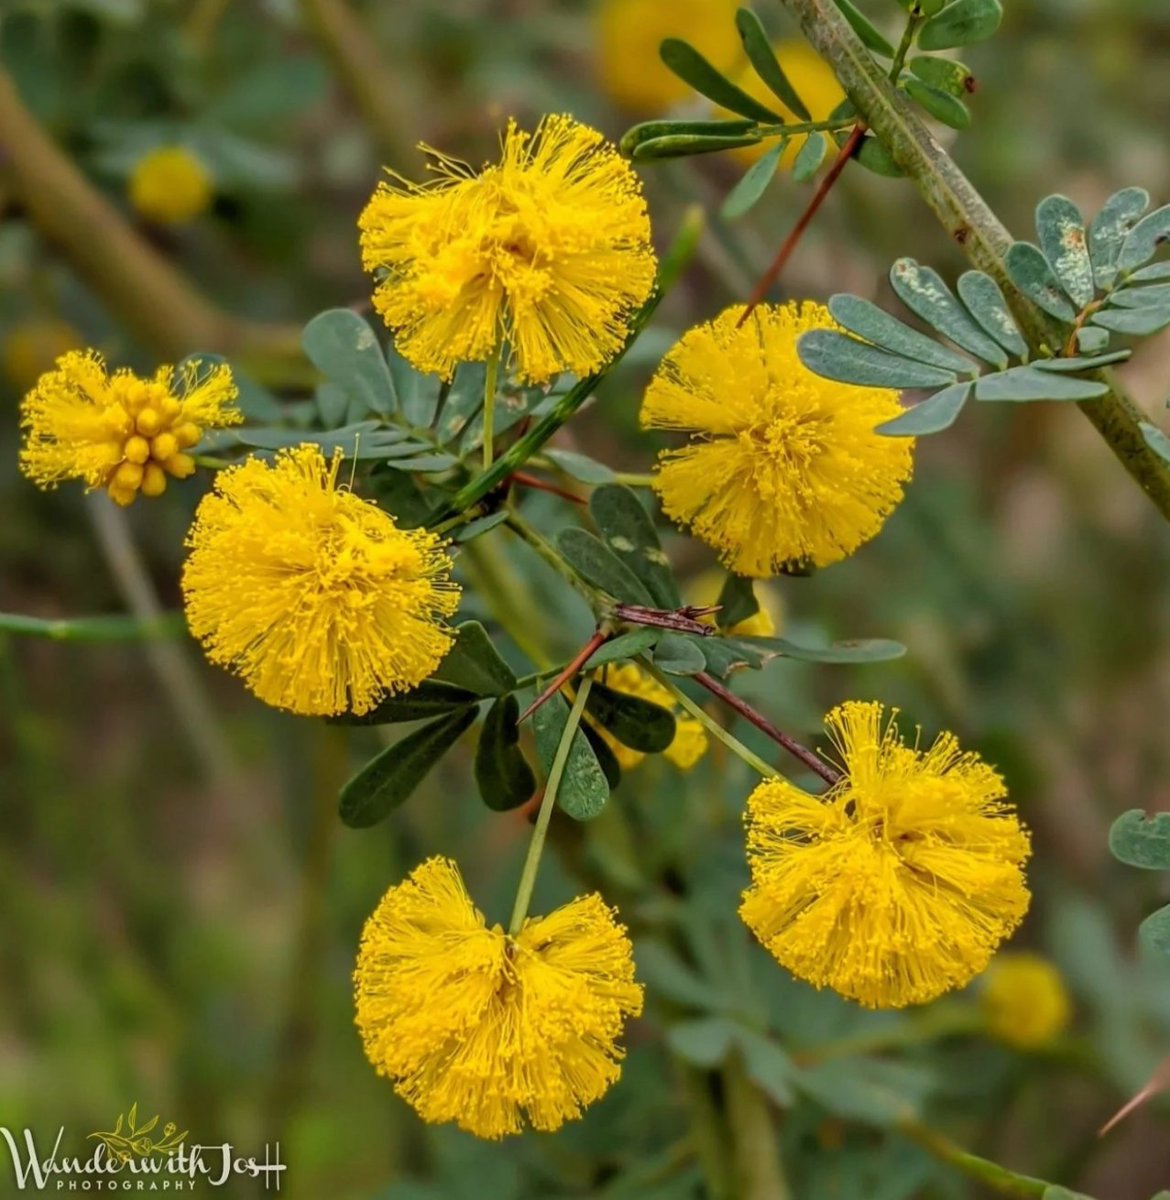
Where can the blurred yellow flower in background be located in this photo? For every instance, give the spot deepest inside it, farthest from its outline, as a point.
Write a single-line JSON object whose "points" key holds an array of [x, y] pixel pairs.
{"points": [[1023, 1000], [312, 595], [766, 621], [785, 468], [118, 431], [899, 883], [629, 33], [171, 186], [548, 251], [690, 738], [485, 1029], [31, 347]]}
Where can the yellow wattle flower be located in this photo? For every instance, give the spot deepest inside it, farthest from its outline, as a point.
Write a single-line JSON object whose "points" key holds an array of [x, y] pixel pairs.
{"points": [[690, 738], [1023, 1000], [549, 251], [30, 348], [786, 469], [121, 432], [171, 186], [899, 883], [312, 595], [629, 33], [488, 1030]]}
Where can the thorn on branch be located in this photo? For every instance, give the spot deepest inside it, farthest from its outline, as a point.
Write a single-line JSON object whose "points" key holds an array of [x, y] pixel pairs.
{"points": [[599, 638]]}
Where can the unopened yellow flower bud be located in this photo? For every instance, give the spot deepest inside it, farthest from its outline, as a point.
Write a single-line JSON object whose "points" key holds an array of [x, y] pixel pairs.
{"points": [[180, 465], [148, 422], [154, 480], [136, 450], [171, 186], [163, 447]]}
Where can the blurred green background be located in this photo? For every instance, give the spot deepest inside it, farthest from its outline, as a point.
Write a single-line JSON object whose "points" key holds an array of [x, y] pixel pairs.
{"points": [[181, 905]]}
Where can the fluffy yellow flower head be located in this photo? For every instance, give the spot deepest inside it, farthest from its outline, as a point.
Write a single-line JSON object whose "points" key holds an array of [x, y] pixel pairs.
{"points": [[1023, 1000], [312, 595], [118, 431], [487, 1030], [549, 251], [900, 882], [690, 738], [171, 186], [629, 33], [30, 348], [787, 469]]}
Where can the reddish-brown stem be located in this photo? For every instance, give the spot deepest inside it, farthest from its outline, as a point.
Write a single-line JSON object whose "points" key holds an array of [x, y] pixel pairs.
{"points": [[526, 480], [745, 710], [793, 240], [599, 638], [680, 619]]}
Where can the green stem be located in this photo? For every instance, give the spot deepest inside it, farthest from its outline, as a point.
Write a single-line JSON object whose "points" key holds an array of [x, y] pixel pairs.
{"points": [[536, 846], [96, 629], [709, 723], [934, 1024], [509, 601], [545, 549], [458, 519], [992, 1175], [674, 261], [912, 23], [755, 1155], [966, 216], [489, 404], [633, 479]]}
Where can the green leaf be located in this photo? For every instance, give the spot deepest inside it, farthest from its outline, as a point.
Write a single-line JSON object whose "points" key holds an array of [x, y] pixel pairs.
{"points": [[478, 527], [961, 23], [418, 394], [629, 533], [1155, 271], [934, 415], [669, 977], [685, 145], [1053, 1192], [1077, 363], [944, 74], [502, 774], [462, 403], [923, 291], [677, 654], [429, 699], [765, 63], [584, 788], [767, 1064], [422, 463], [877, 1091], [580, 466], [1136, 322], [1032, 273], [474, 664], [400, 495], [1111, 226], [387, 780], [943, 106], [1091, 340], [703, 1042], [625, 645], [1024, 384], [639, 724], [692, 68], [856, 650], [836, 356], [1156, 440], [653, 131], [887, 332], [593, 561], [1154, 931], [363, 440], [1144, 239], [1061, 230], [870, 37], [1141, 297], [610, 767], [810, 156], [726, 654], [873, 155], [737, 601], [1141, 839], [345, 350], [754, 183], [985, 302]]}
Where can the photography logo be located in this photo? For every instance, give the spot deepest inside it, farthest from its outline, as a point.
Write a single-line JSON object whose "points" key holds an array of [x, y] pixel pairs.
{"points": [[135, 1158]]}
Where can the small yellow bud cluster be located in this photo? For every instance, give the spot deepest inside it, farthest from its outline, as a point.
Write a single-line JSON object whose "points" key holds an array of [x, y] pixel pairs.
{"points": [[154, 436]]}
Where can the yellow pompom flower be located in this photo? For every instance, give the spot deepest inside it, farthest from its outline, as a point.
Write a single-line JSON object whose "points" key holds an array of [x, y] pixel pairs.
{"points": [[899, 883], [30, 348], [814, 82], [787, 469], [690, 738], [170, 186], [488, 1030], [1023, 1000], [312, 595], [120, 432], [549, 250], [629, 33]]}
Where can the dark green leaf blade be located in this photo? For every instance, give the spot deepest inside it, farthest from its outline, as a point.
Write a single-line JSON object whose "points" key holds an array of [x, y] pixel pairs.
{"points": [[692, 68], [1032, 273], [584, 788], [474, 664], [502, 774], [876, 325], [429, 699], [737, 601], [653, 131], [855, 650], [1141, 839], [923, 291], [629, 533], [985, 302], [765, 63], [595, 562], [677, 654], [1154, 931], [943, 106], [871, 38], [388, 779], [754, 183], [625, 645], [344, 348], [635, 722], [810, 156], [961, 23]]}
